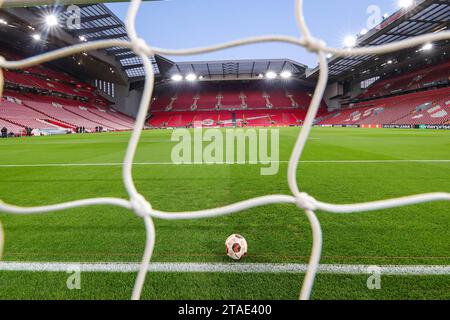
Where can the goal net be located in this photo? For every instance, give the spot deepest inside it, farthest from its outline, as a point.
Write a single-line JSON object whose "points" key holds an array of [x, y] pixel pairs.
{"points": [[142, 206]]}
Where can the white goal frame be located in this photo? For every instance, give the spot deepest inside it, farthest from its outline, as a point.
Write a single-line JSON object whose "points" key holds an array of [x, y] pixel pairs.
{"points": [[142, 207]]}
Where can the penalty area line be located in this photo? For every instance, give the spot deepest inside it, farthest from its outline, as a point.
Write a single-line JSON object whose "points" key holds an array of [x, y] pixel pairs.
{"points": [[116, 267]]}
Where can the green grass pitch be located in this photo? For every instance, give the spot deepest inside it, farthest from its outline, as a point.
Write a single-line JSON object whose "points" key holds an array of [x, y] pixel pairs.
{"points": [[276, 234]]}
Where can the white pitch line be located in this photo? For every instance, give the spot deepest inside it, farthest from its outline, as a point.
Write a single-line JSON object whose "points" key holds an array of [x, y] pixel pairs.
{"points": [[222, 268], [118, 164]]}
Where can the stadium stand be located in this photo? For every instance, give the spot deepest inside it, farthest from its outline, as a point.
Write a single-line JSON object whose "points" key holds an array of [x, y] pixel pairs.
{"points": [[235, 103], [409, 88], [425, 107], [44, 112], [424, 77], [41, 98]]}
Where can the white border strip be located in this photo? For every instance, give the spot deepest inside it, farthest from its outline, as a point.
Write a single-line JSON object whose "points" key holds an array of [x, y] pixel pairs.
{"points": [[116, 164], [223, 268]]}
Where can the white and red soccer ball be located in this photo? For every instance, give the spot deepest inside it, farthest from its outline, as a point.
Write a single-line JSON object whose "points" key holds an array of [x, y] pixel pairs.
{"points": [[236, 247]]}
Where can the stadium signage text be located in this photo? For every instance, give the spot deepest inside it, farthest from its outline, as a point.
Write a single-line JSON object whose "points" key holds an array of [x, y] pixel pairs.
{"points": [[398, 126], [436, 127], [230, 146], [389, 126]]}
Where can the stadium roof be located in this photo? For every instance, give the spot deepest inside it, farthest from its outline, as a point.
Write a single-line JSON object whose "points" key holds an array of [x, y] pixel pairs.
{"points": [[98, 23], [235, 69], [426, 16], [23, 3]]}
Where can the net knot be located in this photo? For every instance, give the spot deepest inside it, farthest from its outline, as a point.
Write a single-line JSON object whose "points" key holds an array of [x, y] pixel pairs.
{"points": [[313, 44], [141, 206], [141, 47], [306, 202]]}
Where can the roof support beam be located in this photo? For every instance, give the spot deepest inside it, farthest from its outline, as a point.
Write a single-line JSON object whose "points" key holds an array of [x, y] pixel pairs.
{"points": [[93, 18], [253, 69], [132, 66], [209, 71], [118, 51], [126, 56], [111, 36], [96, 29]]}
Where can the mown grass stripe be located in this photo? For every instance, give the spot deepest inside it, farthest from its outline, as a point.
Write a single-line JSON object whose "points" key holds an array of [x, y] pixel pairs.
{"points": [[116, 164]]}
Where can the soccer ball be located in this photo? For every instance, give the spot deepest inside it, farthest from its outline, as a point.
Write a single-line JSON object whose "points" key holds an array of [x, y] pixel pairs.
{"points": [[236, 247]]}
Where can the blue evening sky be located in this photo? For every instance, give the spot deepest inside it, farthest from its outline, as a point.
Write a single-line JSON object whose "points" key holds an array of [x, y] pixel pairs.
{"points": [[190, 23]]}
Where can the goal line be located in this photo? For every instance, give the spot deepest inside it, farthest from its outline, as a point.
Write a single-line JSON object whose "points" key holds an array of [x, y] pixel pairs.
{"points": [[171, 267]]}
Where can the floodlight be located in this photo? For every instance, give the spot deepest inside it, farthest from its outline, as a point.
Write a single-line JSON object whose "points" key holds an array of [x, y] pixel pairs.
{"points": [[36, 36], [82, 38], [177, 77], [271, 75], [286, 74], [427, 46], [364, 31], [51, 20], [349, 41], [2, 21], [191, 77]]}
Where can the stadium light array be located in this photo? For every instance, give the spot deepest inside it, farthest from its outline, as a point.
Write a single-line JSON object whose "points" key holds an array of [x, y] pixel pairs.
{"points": [[51, 20], [349, 41], [271, 75], [177, 77], [191, 77], [405, 3], [36, 36], [82, 38], [2, 21], [286, 74]]}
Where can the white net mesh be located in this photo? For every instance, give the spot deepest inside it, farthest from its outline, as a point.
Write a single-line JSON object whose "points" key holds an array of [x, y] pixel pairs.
{"points": [[142, 207]]}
